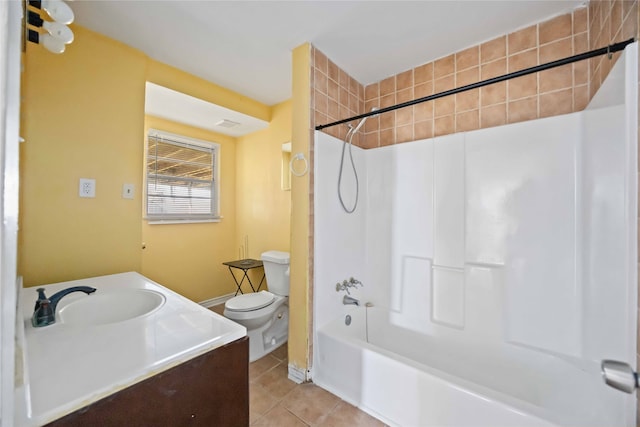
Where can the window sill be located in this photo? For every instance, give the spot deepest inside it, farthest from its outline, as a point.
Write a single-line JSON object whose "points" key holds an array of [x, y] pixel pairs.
{"points": [[181, 221]]}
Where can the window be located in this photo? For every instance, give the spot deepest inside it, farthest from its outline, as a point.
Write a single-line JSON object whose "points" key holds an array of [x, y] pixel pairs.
{"points": [[182, 178]]}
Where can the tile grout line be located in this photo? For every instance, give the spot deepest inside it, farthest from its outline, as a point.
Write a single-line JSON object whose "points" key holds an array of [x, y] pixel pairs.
{"points": [[325, 416], [299, 419]]}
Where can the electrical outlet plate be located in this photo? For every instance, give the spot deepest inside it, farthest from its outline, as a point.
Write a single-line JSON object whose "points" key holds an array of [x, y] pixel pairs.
{"points": [[87, 188], [127, 191]]}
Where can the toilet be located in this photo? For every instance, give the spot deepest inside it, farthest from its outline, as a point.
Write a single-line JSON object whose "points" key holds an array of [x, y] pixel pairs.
{"points": [[265, 314]]}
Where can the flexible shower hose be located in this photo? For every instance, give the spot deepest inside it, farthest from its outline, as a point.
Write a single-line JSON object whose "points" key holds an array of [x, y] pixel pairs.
{"points": [[355, 172]]}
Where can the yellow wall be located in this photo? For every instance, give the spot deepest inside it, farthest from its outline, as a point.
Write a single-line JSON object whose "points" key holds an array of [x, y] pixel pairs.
{"points": [[188, 257], [83, 117], [263, 208], [299, 299]]}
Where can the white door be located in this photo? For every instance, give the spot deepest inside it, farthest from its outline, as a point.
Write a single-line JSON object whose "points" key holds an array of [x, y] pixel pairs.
{"points": [[10, 42]]}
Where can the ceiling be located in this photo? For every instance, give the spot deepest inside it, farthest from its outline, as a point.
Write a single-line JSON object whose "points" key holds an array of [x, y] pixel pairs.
{"points": [[172, 105], [246, 46]]}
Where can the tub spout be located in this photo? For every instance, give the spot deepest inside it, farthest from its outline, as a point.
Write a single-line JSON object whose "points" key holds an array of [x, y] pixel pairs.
{"points": [[347, 300], [44, 313]]}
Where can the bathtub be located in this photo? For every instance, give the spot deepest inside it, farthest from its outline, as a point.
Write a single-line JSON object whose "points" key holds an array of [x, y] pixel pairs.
{"points": [[405, 378]]}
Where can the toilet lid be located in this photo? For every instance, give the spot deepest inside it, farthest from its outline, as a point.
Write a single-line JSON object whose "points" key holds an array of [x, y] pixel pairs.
{"points": [[250, 302]]}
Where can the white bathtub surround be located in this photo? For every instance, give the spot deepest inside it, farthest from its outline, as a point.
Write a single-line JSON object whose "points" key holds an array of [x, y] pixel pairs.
{"points": [[413, 379], [69, 365], [502, 265]]}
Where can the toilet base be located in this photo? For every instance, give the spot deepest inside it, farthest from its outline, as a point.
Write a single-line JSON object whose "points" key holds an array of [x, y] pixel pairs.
{"points": [[273, 334]]}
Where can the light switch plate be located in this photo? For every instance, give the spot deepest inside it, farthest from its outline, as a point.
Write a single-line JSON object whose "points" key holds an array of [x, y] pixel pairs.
{"points": [[87, 188], [127, 191]]}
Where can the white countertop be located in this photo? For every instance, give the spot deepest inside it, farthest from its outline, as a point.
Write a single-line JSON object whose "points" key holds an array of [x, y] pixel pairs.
{"points": [[68, 367]]}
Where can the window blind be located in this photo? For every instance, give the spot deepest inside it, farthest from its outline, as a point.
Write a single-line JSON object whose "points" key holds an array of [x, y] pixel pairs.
{"points": [[181, 178]]}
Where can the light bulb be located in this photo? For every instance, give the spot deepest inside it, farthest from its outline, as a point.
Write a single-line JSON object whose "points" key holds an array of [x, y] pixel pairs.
{"points": [[56, 29], [59, 31], [58, 10], [51, 43]]}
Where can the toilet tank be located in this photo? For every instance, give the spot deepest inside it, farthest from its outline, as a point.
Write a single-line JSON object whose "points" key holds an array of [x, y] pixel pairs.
{"points": [[276, 268]]}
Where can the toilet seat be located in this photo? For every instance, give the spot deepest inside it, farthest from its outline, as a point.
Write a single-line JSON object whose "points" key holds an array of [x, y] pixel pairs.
{"points": [[250, 302]]}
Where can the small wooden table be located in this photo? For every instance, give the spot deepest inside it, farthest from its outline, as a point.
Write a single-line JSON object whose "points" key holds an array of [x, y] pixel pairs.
{"points": [[245, 265]]}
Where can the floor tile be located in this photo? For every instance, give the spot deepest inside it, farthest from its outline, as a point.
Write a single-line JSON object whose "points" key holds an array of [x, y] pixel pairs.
{"points": [[310, 403], [274, 400], [218, 309], [346, 415], [280, 353], [260, 400], [260, 366], [279, 417], [275, 381]]}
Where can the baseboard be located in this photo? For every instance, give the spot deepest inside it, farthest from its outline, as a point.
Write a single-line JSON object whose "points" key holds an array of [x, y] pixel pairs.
{"points": [[216, 301], [298, 375]]}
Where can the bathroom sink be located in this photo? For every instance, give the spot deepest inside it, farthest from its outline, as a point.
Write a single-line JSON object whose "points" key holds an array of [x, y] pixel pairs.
{"points": [[110, 307]]}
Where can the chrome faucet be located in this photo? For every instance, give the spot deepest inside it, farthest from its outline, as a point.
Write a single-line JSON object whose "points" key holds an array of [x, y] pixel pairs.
{"points": [[44, 312], [347, 300]]}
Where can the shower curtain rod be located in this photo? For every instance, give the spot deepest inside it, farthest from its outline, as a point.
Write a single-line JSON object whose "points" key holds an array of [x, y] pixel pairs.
{"points": [[568, 60]]}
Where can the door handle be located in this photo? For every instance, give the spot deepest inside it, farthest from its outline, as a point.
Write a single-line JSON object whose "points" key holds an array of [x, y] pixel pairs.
{"points": [[619, 375]]}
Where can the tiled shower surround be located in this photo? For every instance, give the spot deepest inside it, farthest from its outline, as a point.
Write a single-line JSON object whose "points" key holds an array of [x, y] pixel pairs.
{"points": [[335, 95]]}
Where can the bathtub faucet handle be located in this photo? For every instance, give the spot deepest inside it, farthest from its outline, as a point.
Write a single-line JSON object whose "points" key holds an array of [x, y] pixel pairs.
{"points": [[346, 284]]}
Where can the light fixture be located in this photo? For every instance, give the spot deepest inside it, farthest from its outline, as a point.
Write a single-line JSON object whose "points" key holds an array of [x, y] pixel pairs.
{"points": [[58, 10], [56, 29], [58, 34], [52, 44]]}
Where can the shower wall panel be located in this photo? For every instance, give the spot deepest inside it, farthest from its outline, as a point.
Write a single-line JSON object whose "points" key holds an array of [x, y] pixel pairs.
{"points": [[486, 225], [521, 214], [409, 295], [380, 200], [412, 212], [339, 238], [606, 263], [449, 201]]}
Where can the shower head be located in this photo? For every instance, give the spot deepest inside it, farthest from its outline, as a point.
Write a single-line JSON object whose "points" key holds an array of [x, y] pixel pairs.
{"points": [[357, 128]]}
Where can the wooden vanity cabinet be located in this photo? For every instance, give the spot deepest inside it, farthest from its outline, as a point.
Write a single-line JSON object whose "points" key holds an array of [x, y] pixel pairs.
{"points": [[209, 390]]}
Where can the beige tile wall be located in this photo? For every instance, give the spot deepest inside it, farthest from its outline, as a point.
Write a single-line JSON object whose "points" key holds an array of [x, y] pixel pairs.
{"points": [[557, 91], [609, 22], [335, 95]]}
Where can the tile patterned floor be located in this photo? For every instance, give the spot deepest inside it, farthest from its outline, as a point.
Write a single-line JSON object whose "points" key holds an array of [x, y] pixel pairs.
{"points": [[276, 401]]}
